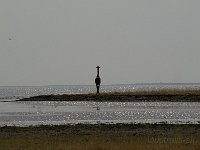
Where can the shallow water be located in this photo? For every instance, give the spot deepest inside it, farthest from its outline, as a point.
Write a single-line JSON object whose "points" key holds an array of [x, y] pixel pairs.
{"points": [[38, 113]]}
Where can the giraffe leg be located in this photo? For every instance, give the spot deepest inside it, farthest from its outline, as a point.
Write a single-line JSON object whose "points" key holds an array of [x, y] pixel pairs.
{"points": [[98, 89]]}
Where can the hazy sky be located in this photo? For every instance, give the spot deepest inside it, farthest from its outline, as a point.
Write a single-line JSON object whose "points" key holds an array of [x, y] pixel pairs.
{"points": [[48, 42]]}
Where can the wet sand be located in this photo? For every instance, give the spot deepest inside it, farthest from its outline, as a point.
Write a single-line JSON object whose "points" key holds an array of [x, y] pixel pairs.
{"points": [[104, 129]]}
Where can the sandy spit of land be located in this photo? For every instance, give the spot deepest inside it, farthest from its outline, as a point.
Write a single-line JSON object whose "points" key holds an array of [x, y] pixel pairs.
{"points": [[103, 129], [119, 97]]}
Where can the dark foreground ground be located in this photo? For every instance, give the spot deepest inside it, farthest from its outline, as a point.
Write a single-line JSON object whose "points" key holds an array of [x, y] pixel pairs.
{"points": [[101, 137], [103, 129]]}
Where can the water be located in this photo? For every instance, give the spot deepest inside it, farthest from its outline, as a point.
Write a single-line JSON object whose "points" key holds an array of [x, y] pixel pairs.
{"points": [[37, 113]]}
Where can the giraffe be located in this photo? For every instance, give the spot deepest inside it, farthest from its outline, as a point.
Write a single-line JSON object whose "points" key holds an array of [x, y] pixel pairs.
{"points": [[98, 80]]}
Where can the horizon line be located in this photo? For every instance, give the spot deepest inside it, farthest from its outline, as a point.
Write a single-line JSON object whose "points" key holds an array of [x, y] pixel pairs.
{"points": [[141, 83]]}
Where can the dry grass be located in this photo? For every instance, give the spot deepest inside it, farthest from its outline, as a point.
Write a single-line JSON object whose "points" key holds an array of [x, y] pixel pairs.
{"points": [[163, 91], [83, 142]]}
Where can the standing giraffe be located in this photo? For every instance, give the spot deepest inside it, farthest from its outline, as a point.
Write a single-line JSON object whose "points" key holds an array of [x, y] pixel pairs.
{"points": [[98, 80]]}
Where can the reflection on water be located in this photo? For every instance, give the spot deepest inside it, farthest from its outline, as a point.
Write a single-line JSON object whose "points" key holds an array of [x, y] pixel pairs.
{"points": [[36, 113]]}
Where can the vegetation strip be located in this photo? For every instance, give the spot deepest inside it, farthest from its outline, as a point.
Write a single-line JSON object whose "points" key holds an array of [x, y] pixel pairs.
{"points": [[179, 95]]}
